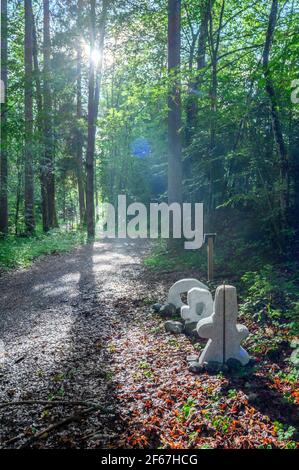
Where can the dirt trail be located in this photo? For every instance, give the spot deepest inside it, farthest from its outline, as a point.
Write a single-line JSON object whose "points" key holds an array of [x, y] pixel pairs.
{"points": [[57, 321], [79, 327]]}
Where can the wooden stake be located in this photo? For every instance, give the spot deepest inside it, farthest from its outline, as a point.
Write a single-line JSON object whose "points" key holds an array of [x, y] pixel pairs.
{"points": [[210, 259], [209, 240], [224, 332]]}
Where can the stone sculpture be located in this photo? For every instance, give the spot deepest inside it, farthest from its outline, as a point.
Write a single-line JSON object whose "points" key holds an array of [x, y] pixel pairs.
{"points": [[200, 305], [224, 334], [181, 287]]}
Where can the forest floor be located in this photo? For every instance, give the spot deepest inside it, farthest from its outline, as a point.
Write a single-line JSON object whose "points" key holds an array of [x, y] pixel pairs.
{"points": [[87, 364]]}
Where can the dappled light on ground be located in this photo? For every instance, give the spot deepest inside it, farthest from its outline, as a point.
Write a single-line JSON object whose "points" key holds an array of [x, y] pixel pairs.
{"points": [[98, 342]]}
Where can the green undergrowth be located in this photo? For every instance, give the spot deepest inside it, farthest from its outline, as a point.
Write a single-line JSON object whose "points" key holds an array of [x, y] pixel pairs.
{"points": [[268, 290], [20, 252], [164, 259]]}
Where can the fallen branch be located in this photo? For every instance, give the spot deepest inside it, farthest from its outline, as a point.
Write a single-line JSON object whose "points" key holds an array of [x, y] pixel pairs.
{"points": [[12, 440], [46, 403], [58, 424], [94, 434]]}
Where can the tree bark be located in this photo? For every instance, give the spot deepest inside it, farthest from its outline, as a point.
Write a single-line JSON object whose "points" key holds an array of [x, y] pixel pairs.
{"points": [[18, 195], [277, 127], [102, 28], [194, 87], [174, 103], [79, 136], [48, 119], [3, 149], [90, 216], [40, 117], [29, 185], [93, 104], [214, 167]]}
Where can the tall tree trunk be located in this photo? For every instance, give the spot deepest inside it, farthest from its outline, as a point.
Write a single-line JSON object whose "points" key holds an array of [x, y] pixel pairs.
{"points": [[90, 216], [40, 118], [102, 28], [96, 194], [3, 147], [29, 188], [18, 195], [93, 104], [194, 87], [79, 136], [277, 127], [48, 119], [174, 103], [215, 167]]}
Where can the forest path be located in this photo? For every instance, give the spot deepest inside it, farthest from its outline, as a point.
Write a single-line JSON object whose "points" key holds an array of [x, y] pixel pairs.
{"points": [[79, 327], [58, 320]]}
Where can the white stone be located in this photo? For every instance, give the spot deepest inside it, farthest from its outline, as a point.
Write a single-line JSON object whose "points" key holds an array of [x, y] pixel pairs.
{"points": [[181, 287], [224, 334], [200, 305]]}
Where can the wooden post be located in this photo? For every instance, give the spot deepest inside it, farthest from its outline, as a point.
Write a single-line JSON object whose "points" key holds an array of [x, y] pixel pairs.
{"points": [[210, 259], [209, 241]]}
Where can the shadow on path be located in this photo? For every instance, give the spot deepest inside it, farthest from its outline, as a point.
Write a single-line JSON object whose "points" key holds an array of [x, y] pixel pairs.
{"points": [[59, 320]]}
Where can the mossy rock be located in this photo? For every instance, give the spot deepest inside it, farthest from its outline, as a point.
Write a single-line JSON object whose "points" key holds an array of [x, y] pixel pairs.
{"points": [[157, 307], [190, 329], [168, 310]]}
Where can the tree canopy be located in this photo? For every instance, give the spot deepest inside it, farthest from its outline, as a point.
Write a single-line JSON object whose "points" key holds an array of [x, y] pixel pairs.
{"points": [[105, 72]]}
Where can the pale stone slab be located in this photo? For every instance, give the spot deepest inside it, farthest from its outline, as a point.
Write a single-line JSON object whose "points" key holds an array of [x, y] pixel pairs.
{"points": [[181, 287], [200, 305], [224, 334]]}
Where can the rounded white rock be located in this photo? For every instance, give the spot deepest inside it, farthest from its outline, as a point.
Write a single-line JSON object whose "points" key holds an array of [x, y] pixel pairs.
{"points": [[181, 287], [200, 305]]}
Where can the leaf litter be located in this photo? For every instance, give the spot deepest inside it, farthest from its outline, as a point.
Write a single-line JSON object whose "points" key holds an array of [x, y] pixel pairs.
{"points": [[80, 330]]}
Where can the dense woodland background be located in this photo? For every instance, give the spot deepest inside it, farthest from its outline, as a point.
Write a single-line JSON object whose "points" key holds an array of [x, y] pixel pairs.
{"points": [[178, 101], [187, 100]]}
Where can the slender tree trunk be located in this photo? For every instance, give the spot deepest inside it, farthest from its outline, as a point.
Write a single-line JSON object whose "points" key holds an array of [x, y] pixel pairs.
{"points": [[206, 8], [174, 103], [48, 119], [64, 217], [194, 88], [29, 188], [90, 216], [215, 167], [102, 28], [40, 118], [18, 195], [96, 194], [276, 123], [93, 104], [3, 147], [79, 136]]}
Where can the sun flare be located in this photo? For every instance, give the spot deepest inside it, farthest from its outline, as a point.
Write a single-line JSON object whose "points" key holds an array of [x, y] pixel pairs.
{"points": [[91, 54]]}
